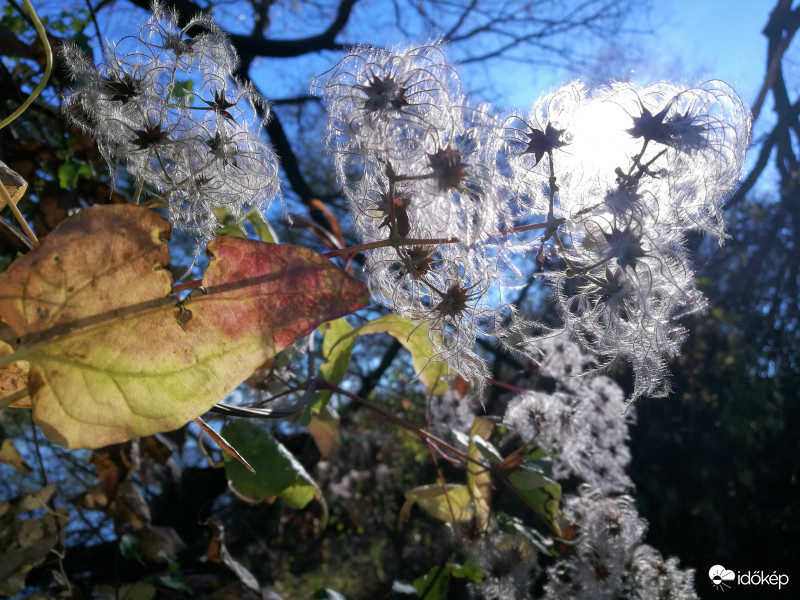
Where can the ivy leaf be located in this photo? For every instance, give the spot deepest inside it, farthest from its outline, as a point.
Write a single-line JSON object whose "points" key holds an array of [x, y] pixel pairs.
{"points": [[114, 356]]}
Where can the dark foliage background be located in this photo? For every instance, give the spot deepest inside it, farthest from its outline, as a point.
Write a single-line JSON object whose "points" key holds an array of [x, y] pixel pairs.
{"points": [[716, 465]]}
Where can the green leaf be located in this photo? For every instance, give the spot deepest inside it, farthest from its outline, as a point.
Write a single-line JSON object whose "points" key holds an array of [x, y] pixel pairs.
{"points": [[112, 354], [262, 229], [278, 473], [415, 339], [542, 495], [451, 506], [130, 547], [434, 589], [469, 571], [337, 348], [182, 89], [487, 450], [516, 526], [71, 170], [67, 174]]}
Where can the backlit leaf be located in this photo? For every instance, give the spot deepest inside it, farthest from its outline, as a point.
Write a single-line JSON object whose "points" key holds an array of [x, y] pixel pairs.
{"points": [[113, 356], [337, 348], [324, 427], [451, 503], [278, 472], [479, 479], [415, 339], [542, 495], [9, 454]]}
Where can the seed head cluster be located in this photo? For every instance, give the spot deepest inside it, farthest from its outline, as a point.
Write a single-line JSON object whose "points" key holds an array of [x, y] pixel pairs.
{"points": [[164, 104], [609, 180], [607, 559], [601, 186]]}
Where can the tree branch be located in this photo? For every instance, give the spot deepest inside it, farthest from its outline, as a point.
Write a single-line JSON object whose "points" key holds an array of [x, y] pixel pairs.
{"points": [[253, 45]]}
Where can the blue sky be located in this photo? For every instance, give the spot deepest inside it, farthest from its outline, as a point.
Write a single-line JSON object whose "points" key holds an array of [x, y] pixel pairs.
{"points": [[717, 39], [691, 41]]}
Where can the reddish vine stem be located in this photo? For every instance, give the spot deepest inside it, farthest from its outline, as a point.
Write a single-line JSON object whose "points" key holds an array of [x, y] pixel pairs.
{"points": [[189, 285], [508, 386], [424, 435], [430, 241]]}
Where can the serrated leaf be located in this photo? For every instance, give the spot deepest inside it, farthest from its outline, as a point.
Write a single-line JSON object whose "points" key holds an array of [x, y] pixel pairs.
{"points": [[112, 355], [542, 495], [415, 339], [278, 472], [451, 506], [479, 479]]}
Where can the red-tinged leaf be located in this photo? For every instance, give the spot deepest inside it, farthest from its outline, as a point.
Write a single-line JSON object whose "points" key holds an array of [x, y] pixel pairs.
{"points": [[113, 356]]}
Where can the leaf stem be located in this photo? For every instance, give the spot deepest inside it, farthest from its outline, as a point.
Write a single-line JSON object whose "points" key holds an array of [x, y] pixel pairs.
{"points": [[48, 67], [9, 400], [433, 241], [424, 435], [7, 359], [18, 215]]}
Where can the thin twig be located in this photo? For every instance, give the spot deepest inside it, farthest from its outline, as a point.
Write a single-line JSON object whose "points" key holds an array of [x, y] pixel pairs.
{"points": [[48, 54]]}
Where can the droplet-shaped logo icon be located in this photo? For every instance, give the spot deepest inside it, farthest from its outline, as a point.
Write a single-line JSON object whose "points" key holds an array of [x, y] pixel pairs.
{"points": [[719, 575]]}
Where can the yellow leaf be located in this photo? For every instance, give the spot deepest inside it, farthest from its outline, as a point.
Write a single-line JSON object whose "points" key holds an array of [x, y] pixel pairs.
{"points": [[479, 479], [113, 356]]}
